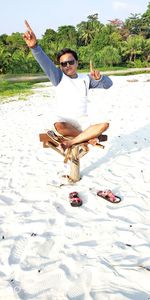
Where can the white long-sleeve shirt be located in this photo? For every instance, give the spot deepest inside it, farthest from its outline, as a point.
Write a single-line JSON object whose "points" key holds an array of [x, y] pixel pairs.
{"points": [[71, 93]]}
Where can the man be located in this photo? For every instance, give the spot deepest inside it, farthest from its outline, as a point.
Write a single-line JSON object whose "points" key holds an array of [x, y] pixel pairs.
{"points": [[70, 118]]}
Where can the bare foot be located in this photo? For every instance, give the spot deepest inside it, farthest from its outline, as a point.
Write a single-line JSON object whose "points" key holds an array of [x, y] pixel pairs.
{"points": [[85, 147], [64, 145], [93, 142]]}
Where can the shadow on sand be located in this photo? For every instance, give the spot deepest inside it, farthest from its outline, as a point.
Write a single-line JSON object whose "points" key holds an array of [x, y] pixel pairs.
{"points": [[124, 145]]}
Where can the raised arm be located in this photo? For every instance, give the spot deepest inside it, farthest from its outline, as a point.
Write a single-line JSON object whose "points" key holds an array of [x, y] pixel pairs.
{"points": [[53, 73]]}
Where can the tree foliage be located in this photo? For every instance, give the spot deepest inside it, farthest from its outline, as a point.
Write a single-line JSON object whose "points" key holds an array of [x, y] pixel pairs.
{"points": [[116, 43]]}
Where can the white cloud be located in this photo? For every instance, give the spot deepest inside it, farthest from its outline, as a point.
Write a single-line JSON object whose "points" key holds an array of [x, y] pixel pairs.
{"points": [[124, 7], [120, 5]]}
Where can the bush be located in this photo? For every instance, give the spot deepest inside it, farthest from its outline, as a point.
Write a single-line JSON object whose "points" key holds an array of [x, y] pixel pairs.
{"points": [[137, 63], [109, 56]]}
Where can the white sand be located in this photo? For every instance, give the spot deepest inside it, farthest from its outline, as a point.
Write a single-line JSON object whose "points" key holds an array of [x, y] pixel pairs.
{"points": [[50, 250]]}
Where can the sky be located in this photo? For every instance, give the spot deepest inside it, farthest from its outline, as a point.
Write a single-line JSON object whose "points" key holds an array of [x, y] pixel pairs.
{"points": [[54, 13]]}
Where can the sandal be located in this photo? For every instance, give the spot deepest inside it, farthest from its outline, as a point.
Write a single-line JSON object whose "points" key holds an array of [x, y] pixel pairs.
{"points": [[74, 199], [102, 138], [109, 196], [56, 139]]}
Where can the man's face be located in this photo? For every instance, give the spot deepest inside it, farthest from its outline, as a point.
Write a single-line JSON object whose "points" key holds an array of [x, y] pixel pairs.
{"points": [[68, 65]]}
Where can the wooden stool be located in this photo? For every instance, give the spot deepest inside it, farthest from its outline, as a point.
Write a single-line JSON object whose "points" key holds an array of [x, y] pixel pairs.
{"points": [[72, 154]]}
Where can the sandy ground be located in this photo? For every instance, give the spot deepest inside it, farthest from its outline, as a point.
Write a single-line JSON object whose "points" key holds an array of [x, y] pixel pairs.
{"points": [[50, 250]]}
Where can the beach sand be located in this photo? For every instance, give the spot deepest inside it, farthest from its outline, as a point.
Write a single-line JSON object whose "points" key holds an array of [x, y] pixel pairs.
{"points": [[50, 250]]}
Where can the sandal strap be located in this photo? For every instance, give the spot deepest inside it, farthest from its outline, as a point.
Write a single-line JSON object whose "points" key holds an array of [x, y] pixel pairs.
{"points": [[73, 195], [75, 199], [109, 194]]}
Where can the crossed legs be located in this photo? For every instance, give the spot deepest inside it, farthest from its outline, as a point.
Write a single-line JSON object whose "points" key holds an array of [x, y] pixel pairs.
{"points": [[88, 135]]}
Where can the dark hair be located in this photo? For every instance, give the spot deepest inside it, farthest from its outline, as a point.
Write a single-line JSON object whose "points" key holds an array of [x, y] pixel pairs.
{"points": [[66, 50]]}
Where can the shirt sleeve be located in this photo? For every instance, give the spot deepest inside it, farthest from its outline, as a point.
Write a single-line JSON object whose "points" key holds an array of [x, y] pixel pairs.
{"points": [[53, 73], [103, 83]]}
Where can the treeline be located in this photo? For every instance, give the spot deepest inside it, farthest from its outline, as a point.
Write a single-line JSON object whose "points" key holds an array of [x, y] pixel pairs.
{"points": [[117, 43]]}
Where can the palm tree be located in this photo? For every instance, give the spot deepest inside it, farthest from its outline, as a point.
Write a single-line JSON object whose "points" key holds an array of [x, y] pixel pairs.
{"points": [[88, 29], [133, 47]]}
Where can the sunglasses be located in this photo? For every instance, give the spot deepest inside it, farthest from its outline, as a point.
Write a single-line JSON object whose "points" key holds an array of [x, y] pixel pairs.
{"points": [[65, 63]]}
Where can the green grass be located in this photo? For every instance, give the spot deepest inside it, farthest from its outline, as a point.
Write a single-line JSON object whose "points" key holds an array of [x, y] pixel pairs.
{"points": [[40, 77], [120, 69], [10, 89], [103, 69], [20, 85]]}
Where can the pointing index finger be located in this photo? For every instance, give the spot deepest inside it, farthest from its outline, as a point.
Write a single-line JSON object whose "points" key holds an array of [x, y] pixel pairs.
{"points": [[28, 26]]}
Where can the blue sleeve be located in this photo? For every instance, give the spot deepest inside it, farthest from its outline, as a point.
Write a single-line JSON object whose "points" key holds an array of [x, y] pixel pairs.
{"points": [[103, 83], [54, 74]]}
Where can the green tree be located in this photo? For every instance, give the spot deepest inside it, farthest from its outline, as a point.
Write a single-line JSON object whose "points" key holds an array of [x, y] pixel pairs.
{"points": [[18, 63], [5, 59], [146, 51], [67, 37], [3, 39], [31, 64], [88, 29], [109, 56], [49, 43], [133, 47], [85, 54], [133, 24], [104, 37], [146, 22], [15, 41], [49, 36], [116, 42]]}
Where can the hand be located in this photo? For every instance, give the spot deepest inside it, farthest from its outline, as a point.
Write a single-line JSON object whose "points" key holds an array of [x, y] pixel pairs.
{"points": [[95, 74], [29, 36]]}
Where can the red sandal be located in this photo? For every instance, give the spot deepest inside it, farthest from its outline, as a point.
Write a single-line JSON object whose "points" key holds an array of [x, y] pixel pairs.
{"points": [[109, 196], [74, 199]]}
